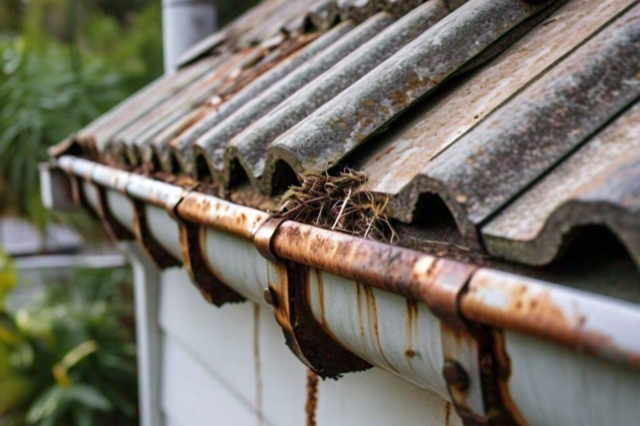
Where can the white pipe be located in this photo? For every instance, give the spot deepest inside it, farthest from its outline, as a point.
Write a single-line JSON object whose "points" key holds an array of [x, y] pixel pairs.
{"points": [[146, 281], [63, 261], [184, 23]]}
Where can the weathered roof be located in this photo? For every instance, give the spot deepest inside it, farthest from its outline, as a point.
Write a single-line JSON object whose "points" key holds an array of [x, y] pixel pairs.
{"points": [[522, 117]]}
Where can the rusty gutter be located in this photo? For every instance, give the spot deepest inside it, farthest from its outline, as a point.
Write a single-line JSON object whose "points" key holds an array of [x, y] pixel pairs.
{"points": [[584, 322], [345, 304]]}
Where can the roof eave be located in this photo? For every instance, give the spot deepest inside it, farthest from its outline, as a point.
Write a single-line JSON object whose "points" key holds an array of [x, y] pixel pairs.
{"points": [[475, 309]]}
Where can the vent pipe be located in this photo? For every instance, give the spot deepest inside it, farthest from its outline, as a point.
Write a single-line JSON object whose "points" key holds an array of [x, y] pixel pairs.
{"points": [[184, 23]]}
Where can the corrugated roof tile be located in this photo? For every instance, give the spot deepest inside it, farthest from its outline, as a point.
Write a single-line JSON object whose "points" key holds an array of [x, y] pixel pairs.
{"points": [[184, 143], [520, 121], [213, 143], [488, 167], [324, 138], [598, 184], [249, 147]]}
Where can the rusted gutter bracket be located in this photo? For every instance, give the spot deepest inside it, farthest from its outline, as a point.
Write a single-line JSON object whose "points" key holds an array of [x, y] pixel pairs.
{"points": [[213, 289], [161, 257], [309, 342], [475, 361], [594, 325], [442, 283], [143, 193], [110, 223], [118, 181], [264, 236]]}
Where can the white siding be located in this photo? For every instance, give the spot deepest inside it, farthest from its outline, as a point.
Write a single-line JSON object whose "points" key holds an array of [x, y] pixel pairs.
{"points": [[230, 366], [192, 396]]}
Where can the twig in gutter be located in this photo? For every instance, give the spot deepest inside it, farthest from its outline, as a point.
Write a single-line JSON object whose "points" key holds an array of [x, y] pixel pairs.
{"points": [[338, 203]]}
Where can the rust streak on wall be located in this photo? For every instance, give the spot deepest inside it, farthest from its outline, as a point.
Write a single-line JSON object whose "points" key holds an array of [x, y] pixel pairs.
{"points": [[447, 415], [311, 407]]}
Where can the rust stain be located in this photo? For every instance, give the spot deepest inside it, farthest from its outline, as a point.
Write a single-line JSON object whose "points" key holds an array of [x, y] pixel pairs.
{"points": [[360, 320], [459, 335], [462, 339], [447, 415], [504, 374], [203, 273], [410, 353], [441, 283], [412, 316], [208, 210], [372, 310], [349, 257], [530, 309], [258, 364], [162, 258], [279, 288], [305, 336], [311, 406]]}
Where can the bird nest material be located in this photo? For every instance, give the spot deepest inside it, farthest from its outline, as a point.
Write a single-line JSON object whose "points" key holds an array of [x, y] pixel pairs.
{"points": [[337, 203]]}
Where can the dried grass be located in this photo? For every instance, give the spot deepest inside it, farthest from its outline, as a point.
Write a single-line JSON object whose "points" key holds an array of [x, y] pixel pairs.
{"points": [[335, 202]]}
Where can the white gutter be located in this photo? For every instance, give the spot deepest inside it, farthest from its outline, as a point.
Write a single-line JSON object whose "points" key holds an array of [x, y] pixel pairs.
{"points": [[185, 23], [560, 350]]}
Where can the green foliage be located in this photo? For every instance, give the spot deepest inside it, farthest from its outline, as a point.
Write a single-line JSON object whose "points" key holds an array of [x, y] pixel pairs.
{"points": [[67, 63], [7, 278], [42, 100], [69, 359]]}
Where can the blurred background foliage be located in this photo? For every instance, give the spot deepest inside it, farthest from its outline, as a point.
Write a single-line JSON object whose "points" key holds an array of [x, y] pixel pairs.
{"points": [[68, 358], [63, 63]]}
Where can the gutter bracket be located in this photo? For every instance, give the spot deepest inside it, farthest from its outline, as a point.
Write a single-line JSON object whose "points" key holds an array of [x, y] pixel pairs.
{"points": [[263, 237], [476, 365], [78, 195], [161, 257], [212, 288], [110, 223], [287, 293]]}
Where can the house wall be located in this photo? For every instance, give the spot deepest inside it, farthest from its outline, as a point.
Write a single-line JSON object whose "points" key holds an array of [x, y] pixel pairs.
{"points": [[230, 366]]}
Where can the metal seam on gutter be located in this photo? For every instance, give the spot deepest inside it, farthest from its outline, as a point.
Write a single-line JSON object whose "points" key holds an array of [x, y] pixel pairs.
{"points": [[405, 272]]}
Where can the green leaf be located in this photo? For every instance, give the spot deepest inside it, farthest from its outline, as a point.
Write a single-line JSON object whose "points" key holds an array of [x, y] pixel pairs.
{"points": [[90, 397], [45, 405]]}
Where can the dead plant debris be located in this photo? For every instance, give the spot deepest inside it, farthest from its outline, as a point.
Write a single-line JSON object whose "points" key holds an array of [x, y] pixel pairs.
{"points": [[337, 203]]}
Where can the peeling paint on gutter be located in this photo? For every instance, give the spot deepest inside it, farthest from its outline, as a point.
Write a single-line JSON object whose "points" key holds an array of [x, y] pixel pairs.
{"points": [[339, 299], [408, 273]]}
